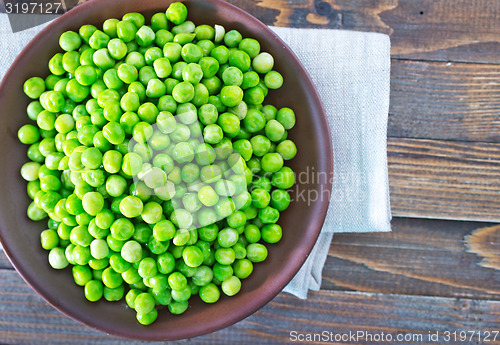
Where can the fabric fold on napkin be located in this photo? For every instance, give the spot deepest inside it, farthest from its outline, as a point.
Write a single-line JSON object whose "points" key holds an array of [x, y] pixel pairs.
{"points": [[351, 71]]}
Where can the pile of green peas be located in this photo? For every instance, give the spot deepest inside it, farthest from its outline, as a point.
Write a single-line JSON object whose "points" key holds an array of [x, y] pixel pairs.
{"points": [[151, 152]]}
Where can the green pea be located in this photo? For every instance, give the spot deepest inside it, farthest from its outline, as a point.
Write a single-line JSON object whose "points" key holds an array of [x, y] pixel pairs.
{"points": [[126, 30], [145, 36], [70, 41], [256, 252], [34, 87], [192, 256], [131, 251], [231, 95], [286, 117], [263, 63], [93, 203], [159, 21], [93, 290], [176, 13], [191, 52], [231, 286], [163, 36], [114, 133], [287, 149], [102, 59], [109, 27], [240, 59], [209, 293], [111, 278], [284, 178], [183, 92], [131, 206], [147, 318]]}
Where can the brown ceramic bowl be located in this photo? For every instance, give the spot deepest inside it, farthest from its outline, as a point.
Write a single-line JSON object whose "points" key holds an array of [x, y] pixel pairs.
{"points": [[301, 222]]}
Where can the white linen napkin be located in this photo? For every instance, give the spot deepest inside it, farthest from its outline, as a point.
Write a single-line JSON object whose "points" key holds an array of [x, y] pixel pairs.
{"points": [[351, 71]]}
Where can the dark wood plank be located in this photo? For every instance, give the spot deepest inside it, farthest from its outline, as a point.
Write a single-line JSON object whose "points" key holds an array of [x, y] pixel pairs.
{"points": [[25, 318], [444, 179], [419, 257], [451, 101], [437, 30], [485, 243]]}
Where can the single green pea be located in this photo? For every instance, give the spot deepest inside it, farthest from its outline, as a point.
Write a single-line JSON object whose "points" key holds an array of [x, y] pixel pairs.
{"points": [[131, 251], [34, 87], [86, 75], [57, 258], [263, 63], [147, 318], [114, 133], [240, 59], [145, 36], [156, 88], [98, 40], [243, 268], [254, 121], [172, 51], [49, 239], [159, 21], [109, 27], [256, 252], [162, 67], [28, 134], [272, 162], [232, 38], [111, 278], [148, 112], [209, 293], [287, 149], [56, 67], [183, 92], [102, 59], [284, 178], [93, 290], [250, 46], [86, 57], [231, 95], [254, 95], [192, 256], [163, 36], [177, 13], [231, 286], [70, 41], [273, 80], [286, 117], [191, 53], [93, 203], [126, 30]]}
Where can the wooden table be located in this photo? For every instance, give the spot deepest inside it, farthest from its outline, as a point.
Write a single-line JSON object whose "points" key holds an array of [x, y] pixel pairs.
{"points": [[438, 271]]}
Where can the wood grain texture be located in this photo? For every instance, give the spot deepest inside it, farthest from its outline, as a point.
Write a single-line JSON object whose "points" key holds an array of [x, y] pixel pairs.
{"points": [[444, 179], [439, 30], [485, 242], [26, 319], [436, 30], [451, 101], [419, 257]]}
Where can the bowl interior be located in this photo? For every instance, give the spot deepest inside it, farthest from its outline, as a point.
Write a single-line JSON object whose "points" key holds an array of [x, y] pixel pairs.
{"points": [[301, 222]]}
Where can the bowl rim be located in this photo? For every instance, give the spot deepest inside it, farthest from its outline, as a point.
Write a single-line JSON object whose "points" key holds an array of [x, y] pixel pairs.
{"points": [[311, 239]]}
